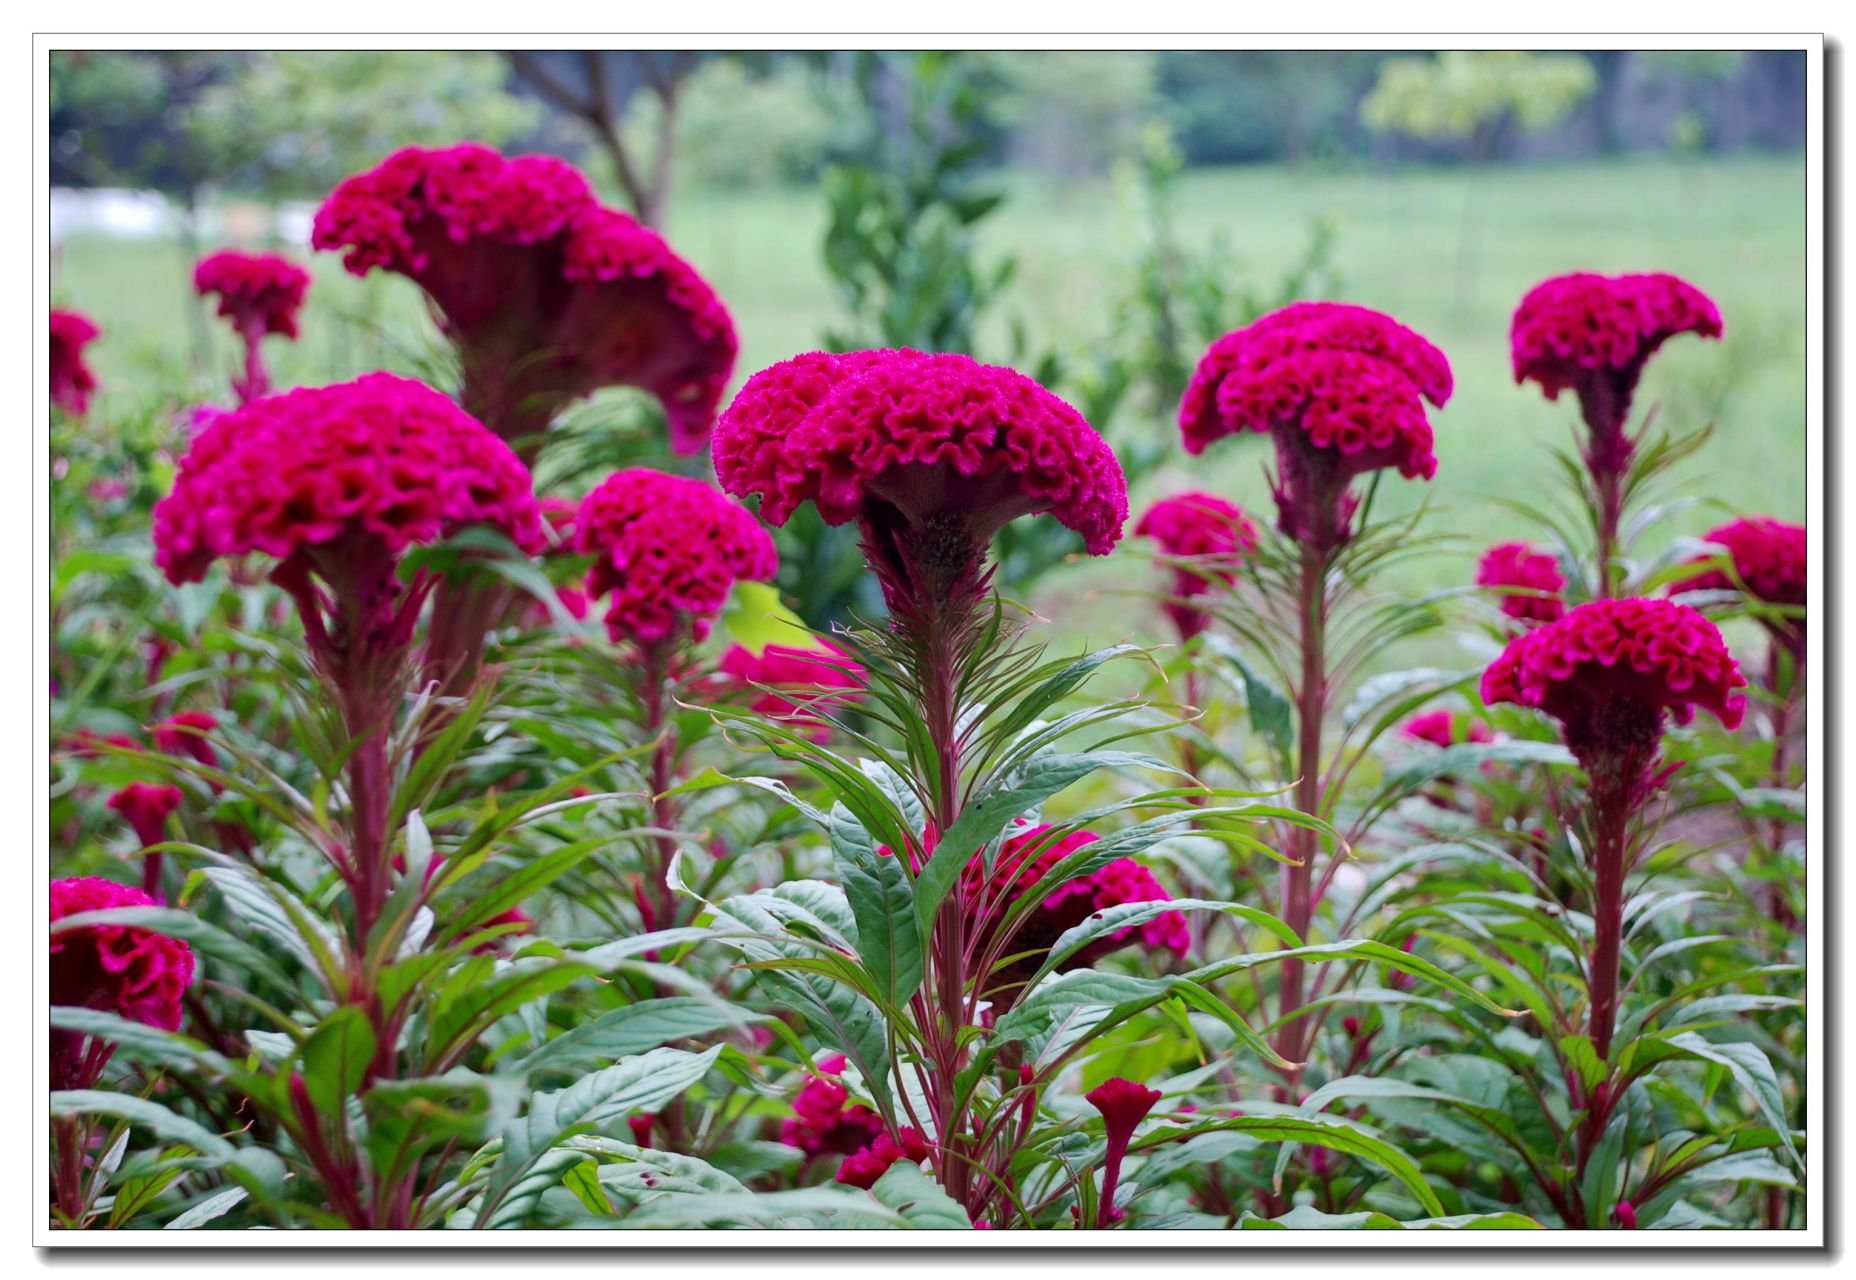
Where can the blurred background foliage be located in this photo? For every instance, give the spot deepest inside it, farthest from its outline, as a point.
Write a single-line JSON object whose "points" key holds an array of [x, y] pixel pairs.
{"points": [[1092, 218]]}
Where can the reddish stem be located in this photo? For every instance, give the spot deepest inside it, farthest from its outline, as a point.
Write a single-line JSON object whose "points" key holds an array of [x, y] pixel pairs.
{"points": [[1297, 882]]}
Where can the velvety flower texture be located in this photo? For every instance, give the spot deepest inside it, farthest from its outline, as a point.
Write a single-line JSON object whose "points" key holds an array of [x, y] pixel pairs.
{"points": [[260, 293], [1026, 859], [181, 735], [549, 295], [146, 806], [1537, 574], [822, 1123], [131, 972], [669, 550], [1340, 388], [1593, 334], [1440, 729], [71, 379], [808, 673], [930, 454], [1123, 1104], [1768, 556], [1610, 669], [1206, 530], [382, 461]]}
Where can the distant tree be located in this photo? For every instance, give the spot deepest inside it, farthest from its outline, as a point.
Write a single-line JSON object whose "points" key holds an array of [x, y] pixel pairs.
{"points": [[1076, 111], [1476, 96]]}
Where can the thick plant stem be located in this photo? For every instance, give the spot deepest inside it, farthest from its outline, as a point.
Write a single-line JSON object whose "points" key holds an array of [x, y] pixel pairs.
{"points": [[1297, 880], [369, 785], [1611, 825], [256, 382], [1610, 514], [68, 1173], [662, 902]]}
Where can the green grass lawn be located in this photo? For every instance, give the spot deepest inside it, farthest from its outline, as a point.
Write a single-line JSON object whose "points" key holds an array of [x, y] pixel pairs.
{"points": [[1449, 252]]}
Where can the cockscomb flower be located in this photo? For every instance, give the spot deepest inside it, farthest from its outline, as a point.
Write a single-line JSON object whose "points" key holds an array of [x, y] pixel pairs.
{"points": [[146, 806], [1529, 581], [260, 293], [1441, 728], [548, 295], [131, 972], [1208, 534], [1768, 559], [668, 551], [1611, 670], [779, 673], [1592, 335], [822, 1123], [1123, 1104], [183, 734], [1340, 389], [863, 1168], [931, 455], [71, 378]]}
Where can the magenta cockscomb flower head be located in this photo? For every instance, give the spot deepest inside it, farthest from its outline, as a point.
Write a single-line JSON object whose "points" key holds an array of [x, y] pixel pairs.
{"points": [[1768, 558], [863, 1168], [1611, 672], [146, 806], [548, 295], [668, 550], [789, 680], [260, 293], [1529, 582], [335, 483], [1123, 1104], [71, 379], [1204, 537], [131, 972], [931, 455], [1340, 389], [184, 734], [1593, 334], [823, 1121], [1445, 729]]}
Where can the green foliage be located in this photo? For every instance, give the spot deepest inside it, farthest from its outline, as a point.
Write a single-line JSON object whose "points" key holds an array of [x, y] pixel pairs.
{"points": [[1464, 94]]}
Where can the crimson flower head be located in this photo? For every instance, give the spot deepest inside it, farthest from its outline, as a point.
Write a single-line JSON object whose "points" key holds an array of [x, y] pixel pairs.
{"points": [[863, 1168], [1341, 390], [71, 379], [668, 551], [182, 734], [1611, 670], [805, 673], [548, 295], [131, 972], [1123, 1104], [260, 293], [1593, 334], [146, 807], [931, 455], [1768, 557], [822, 1123], [1440, 729], [1211, 535], [1536, 574]]}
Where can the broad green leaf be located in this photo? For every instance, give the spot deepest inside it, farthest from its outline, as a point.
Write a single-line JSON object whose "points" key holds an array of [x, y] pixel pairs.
{"points": [[336, 1058]]}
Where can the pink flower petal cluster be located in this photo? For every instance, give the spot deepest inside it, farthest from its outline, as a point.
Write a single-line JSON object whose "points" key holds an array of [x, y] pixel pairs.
{"points": [[71, 378], [260, 293], [822, 1123], [1210, 532], [1340, 388], [1440, 729], [181, 734], [669, 551], [549, 295], [1537, 574], [131, 972], [931, 454], [1620, 662], [1593, 334], [806, 672], [146, 806], [863, 1168], [1768, 557], [1123, 1104], [382, 458], [1026, 859]]}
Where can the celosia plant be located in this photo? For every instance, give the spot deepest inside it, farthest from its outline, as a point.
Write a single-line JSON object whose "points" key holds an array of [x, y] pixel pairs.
{"points": [[146, 807], [1527, 582], [547, 294], [71, 379], [1768, 564], [260, 293], [1445, 729], [1202, 537], [786, 679]]}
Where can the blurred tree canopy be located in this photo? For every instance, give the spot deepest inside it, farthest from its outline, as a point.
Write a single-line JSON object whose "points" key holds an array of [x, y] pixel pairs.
{"points": [[1474, 95]]}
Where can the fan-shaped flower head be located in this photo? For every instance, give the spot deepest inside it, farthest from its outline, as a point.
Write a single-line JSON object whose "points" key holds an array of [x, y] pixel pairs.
{"points": [[1593, 334], [71, 379], [183, 734], [822, 1123], [1123, 1104], [260, 293], [145, 806], [1768, 559], [669, 550], [930, 454], [807, 673], [131, 972], [1609, 671], [1440, 728], [1536, 575], [1208, 532], [1340, 388], [548, 295]]}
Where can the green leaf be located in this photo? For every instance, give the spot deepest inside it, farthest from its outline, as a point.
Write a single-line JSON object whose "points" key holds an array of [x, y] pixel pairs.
{"points": [[1333, 1134], [620, 1033], [152, 1116], [1271, 713], [214, 1206], [336, 1058], [882, 902], [920, 1201], [754, 618], [1752, 1071], [140, 1042]]}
